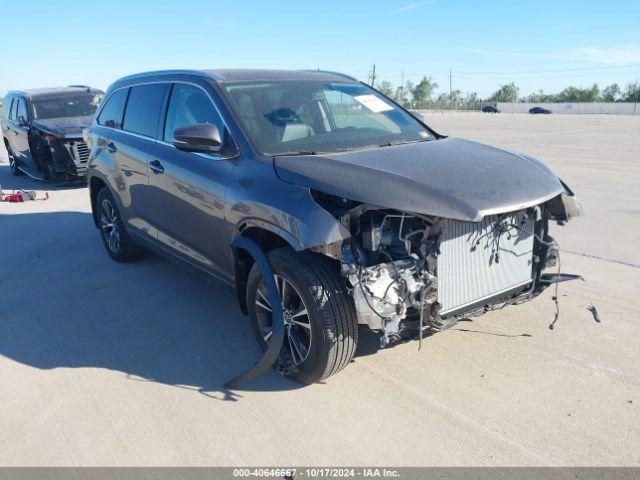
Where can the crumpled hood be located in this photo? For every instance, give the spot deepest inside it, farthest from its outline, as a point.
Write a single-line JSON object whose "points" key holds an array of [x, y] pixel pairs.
{"points": [[449, 178], [61, 127]]}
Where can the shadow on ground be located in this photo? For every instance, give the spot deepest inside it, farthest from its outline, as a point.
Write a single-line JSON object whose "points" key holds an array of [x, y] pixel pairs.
{"points": [[66, 304]]}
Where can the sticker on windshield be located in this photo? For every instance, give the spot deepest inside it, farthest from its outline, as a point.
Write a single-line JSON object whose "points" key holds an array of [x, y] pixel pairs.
{"points": [[373, 103]]}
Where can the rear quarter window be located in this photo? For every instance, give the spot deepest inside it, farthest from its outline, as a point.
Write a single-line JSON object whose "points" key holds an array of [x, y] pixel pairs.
{"points": [[111, 113], [144, 108]]}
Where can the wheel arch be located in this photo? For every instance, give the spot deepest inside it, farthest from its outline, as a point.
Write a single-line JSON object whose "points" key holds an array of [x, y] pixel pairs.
{"points": [[95, 185], [268, 237], [7, 146]]}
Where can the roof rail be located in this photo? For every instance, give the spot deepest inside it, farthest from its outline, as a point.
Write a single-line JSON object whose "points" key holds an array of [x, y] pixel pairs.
{"points": [[198, 73], [86, 87], [339, 74]]}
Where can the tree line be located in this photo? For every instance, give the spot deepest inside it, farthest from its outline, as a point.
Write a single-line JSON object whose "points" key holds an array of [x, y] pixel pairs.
{"points": [[424, 92]]}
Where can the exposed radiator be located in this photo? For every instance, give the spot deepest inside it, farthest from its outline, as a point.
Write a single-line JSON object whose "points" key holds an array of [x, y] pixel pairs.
{"points": [[468, 275], [79, 153]]}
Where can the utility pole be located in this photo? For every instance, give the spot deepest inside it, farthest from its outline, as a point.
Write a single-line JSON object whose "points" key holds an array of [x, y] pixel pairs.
{"points": [[401, 99], [373, 76], [450, 89]]}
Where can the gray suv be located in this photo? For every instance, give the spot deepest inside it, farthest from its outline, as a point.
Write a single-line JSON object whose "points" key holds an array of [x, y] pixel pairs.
{"points": [[365, 215]]}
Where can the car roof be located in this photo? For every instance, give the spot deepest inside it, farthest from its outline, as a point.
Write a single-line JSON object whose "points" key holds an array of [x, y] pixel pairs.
{"points": [[54, 92], [246, 75]]}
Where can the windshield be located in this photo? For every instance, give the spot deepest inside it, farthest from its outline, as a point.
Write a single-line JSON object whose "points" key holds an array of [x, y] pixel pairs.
{"points": [[289, 117], [79, 106]]}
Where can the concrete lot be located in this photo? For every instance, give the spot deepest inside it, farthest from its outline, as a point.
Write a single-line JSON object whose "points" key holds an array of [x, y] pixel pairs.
{"points": [[91, 375]]}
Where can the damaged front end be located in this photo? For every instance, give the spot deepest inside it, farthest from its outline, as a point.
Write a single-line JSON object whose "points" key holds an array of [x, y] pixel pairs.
{"points": [[410, 271], [58, 154]]}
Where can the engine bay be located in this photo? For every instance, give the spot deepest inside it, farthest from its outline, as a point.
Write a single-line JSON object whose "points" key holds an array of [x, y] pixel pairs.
{"points": [[415, 272]]}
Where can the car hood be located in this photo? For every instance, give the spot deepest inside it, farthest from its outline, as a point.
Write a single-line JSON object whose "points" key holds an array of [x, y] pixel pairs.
{"points": [[449, 178], [61, 127]]}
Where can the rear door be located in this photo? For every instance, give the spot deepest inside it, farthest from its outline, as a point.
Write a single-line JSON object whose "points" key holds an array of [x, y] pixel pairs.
{"points": [[126, 133], [189, 189]]}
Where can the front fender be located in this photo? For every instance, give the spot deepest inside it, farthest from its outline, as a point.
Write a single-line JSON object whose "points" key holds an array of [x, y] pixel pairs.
{"points": [[258, 198], [249, 223], [305, 225]]}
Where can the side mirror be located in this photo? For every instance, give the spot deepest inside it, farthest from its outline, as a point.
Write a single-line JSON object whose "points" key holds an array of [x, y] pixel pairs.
{"points": [[22, 121], [198, 137]]}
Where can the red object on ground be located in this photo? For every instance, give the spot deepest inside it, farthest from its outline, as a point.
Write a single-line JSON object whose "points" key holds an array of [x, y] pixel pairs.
{"points": [[22, 196], [13, 198]]}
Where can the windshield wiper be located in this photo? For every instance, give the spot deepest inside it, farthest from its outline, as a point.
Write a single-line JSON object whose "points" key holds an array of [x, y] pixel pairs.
{"points": [[404, 142], [295, 154]]}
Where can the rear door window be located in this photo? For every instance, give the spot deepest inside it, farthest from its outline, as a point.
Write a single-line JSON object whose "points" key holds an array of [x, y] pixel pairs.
{"points": [[111, 113], [144, 108]]}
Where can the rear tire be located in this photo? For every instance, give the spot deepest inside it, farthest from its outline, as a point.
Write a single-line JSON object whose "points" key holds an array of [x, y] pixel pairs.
{"points": [[321, 342], [116, 241]]}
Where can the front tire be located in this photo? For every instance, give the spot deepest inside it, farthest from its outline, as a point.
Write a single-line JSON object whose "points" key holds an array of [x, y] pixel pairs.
{"points": [[116, 241], [13, 162], [321, 328]]}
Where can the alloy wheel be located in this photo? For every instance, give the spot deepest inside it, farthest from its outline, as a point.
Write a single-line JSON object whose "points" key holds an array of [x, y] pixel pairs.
{"points": [[109, 225], [297, 324]]}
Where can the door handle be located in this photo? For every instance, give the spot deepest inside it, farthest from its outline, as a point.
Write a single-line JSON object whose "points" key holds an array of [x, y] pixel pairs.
{"points": [[156, 166]]}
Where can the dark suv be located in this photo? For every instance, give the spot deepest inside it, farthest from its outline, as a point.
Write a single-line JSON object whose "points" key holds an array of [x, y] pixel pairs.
{"points": [[42, 130], [365, 214]]}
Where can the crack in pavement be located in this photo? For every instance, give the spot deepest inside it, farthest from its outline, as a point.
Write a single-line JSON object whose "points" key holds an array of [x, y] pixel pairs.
{"points": [[611, 260]]}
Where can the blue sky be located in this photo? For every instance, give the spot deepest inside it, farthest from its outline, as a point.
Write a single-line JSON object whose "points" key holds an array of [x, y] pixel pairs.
{"points": [[538, 44]]}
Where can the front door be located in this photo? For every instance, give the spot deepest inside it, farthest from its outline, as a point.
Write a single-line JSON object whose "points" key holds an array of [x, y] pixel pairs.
{"points": [[20, 141], [188, 190]]}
